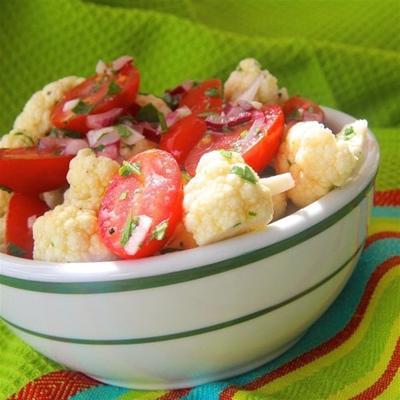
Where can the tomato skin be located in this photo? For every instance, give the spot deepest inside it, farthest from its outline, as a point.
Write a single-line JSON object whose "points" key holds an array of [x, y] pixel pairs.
{"points": [[93, 91], [199, 101], [297, 109], [31, 171], [257, 153], [156, 193], [182, 137], [18, 233]]}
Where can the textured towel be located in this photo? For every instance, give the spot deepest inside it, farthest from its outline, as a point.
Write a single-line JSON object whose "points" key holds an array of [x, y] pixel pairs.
{"points": [[343, 54]]}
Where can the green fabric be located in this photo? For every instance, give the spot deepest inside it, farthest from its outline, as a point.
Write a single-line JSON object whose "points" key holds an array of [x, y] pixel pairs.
{"points": [[343, 54]]}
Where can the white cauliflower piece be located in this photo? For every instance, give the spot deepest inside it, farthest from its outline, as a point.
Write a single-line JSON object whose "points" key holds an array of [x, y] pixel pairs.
{"points": [[127, 151], [35, 117], [160, 104], [69, 234], [219, 203], [248, 72], [88, 177], [318, 160], [279, 202], [17, 138]]}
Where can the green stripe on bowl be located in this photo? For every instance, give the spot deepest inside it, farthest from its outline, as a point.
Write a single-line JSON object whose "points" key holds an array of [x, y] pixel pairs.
{"points": [[189, 274], [193, 332]]}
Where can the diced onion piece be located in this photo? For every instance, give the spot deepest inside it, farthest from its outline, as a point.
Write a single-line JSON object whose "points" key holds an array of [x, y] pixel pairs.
{"points": [[138, 234], [120, 62], [255, 128], [74, 145], [101, 67], [104, 136], [110, 151], [97, 121], [174, 116], [250, 93], [133, 138], [69, 105], [278, 183]]}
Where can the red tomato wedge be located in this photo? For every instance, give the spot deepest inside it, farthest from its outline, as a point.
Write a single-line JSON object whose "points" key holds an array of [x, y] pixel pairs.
{"points": [[204, 98], [31, 171], [297, 109], [182, 137], [257, 140], [96, 95], [22, 211], [142, 205]]}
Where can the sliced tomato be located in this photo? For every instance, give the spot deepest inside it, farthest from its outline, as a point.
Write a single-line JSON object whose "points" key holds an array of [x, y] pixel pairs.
{"points": [[22, 211], [182, 137], [204, 98], [297, 109], [96, 95], [257, 148], [141, 210], [30, 170]]}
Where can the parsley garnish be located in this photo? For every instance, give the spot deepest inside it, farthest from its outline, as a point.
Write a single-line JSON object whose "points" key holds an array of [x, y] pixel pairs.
{"points": [[252, 214], [82, 108], [129, 168], [150, 113], [123, 195], [130, 225], [349, 132], [15, 250], [212, 92], [159, 231], [244, 172], [226, 154], [172, 101], [113, 89], [70, 134], [163, 122], [294, 115], [123, 130], [100, 147]]}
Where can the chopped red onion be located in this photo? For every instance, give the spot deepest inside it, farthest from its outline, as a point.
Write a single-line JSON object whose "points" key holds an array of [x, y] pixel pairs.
{"points": [[245, 105], [101, 67], [74, 145], [120, 62], [311, 116], [250, 93], [177, 115], [97, 121], [182, 88], [148, 131], [239, 118], [255, 128], [68, 146], [110, 151], [133, 138], [70, 104], [103, 136]]}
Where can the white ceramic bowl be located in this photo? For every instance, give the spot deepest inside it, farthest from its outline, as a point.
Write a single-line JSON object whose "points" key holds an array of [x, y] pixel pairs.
{"points": [[204, 314]]}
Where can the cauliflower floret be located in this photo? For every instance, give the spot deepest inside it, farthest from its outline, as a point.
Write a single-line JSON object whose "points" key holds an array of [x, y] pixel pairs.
{"points": [[17, 138], [68, 234], [88, 177], [160, 104], [279, 202], [4, 200], [128, 151], [318, 160], [249, 72], [35, 117], [225, 198]]}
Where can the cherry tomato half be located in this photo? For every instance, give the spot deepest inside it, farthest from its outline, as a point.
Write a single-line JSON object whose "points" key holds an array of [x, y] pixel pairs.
{"points": [[297, 109], [142, 205], [31, 171], [257, 148], [22, 211], [204, 98], [182, 137], [96, 95]]}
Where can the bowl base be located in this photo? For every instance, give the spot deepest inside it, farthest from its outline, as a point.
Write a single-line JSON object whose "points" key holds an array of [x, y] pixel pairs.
{"points": [[187, 383]]}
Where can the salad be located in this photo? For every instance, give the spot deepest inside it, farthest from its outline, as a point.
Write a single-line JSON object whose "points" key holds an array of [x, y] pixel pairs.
{"points": [[95, 170]]}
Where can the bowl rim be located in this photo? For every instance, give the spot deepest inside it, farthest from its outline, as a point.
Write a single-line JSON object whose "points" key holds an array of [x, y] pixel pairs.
{"points": [[183, 266]]}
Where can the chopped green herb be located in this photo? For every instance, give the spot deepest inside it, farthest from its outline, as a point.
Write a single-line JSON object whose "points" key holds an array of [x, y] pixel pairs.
{"points": [[123, 195], [172, 101], [100, 147], [5, 189], [129, 168], [244, 172], [25, 136], [244, 133], [113, 89], [71, 134], [310, 109], [159, 231], [163, 122], [234, 226], [82, 108], [349, 132], [15, 250], [252, 214], [130, 225], [226, 128], [212, 92], [226, 154], [123, 130], [294, 115], [148, 113]]}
